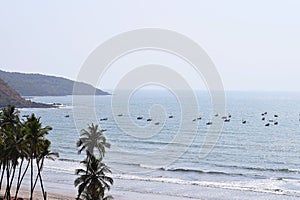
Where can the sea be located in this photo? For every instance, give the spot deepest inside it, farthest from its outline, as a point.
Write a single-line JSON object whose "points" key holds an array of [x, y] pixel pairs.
{"points": [[156, 140]]}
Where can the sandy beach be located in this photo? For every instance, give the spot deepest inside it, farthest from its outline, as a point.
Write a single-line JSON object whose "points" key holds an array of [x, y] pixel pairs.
{"points": [[207, 193], [117, 196], [38, 195], [134, 191]]}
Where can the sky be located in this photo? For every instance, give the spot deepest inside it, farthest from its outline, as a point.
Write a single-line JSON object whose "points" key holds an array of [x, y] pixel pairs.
{"points": [[254, 45]]}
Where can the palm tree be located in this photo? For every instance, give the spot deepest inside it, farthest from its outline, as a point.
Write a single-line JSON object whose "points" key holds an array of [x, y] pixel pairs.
{"points": [[44, 152], [91, 139], [35, 137], [19, 142], [13, 153], [93, 182], [9, 123], [9, 117], [24, 155]]}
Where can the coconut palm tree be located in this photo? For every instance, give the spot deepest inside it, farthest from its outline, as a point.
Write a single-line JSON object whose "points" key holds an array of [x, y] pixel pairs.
{"points": [[35, 137], [12, 154], [93, 182], [9, 117], [91, 139], [44, 152], [21, 142], [24, 155], [9, 123]]}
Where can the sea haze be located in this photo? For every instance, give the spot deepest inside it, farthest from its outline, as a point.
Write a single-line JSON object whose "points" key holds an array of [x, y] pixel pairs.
{"points": [[249, 158]]}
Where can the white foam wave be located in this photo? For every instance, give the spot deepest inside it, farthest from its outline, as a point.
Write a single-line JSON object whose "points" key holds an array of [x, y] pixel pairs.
{"points": [[263, 186]]}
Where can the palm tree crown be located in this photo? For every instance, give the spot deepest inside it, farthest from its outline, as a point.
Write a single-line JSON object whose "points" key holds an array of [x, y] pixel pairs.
{"points": [[93, 182], [91, 139]]}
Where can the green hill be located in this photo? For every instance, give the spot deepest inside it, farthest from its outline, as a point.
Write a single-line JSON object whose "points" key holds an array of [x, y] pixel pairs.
{"points": [[9, 96], [43, 85]]}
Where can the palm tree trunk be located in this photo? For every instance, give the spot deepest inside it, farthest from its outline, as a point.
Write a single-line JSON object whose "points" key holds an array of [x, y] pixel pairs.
{"points": [[88, 157], [20, 171], [20, 181], [31, 179], [13, 174], [37, 176], [40, 176], [7, 192], [2, 175]]}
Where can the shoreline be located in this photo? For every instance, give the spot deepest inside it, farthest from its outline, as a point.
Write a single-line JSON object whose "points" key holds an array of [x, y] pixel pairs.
{"points": [[120, 195], [203, 194], [137, 190]]}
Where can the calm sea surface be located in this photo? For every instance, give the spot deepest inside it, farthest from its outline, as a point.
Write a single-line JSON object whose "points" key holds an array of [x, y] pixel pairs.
{"points": [[248, 157]]}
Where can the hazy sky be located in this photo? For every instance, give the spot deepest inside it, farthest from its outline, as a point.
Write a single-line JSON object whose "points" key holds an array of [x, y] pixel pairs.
{"points": [[254, 44]]}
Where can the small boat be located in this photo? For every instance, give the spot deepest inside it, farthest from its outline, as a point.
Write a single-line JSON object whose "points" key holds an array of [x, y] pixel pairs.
{"points": [[104, 119], [149, 120], [275, 115], [67, 115], [224, 117], [139, 118], [229, 116], [216, 115], [209, 123], [171, 116], [156, 123], [267, 124], [244, 122], [58, 104], [120, 115], [227, 120], [263, 119], [199, 118], [194, 120], [275, 123]]}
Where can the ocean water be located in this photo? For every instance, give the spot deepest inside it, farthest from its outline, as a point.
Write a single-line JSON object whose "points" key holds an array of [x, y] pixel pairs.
{"points": [[248, 161]]}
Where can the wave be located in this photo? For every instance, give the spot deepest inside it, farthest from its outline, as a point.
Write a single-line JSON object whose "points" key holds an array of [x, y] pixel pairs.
{"points": [[245, 171], [264, 186], [189, 170], [68, 160], [193, 170], [203, 171], [274, 170], [274, 186], [262, 169]]}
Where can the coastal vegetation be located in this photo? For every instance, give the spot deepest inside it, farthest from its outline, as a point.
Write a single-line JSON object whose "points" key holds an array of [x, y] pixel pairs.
{"points": [[93, 180], [23, 149]]}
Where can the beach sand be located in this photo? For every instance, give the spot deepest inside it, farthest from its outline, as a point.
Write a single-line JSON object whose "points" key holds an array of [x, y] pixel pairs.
{"points": [[142, 196], [117, 196], [144, 190], [206, 194], [38, 195], [203, 192]]}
